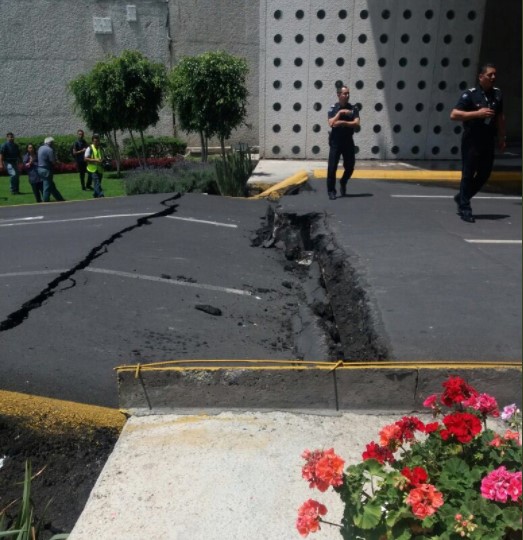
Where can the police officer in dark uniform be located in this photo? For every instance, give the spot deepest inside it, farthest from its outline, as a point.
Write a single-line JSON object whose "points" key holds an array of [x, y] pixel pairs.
{"points": [[481, 111], [343, 118]]}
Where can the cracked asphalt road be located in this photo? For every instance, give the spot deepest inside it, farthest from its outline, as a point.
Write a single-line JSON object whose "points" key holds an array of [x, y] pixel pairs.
{"points": [[86, 287]]}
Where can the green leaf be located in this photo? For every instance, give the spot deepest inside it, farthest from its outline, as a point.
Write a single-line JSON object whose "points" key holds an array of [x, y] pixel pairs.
{"points": [[370, 517], [512, 518]]}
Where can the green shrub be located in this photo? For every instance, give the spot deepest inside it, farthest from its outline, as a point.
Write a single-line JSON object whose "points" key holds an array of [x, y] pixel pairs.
{"points": [[184, 177], [155, 147], [62, 145], [233, 172]]}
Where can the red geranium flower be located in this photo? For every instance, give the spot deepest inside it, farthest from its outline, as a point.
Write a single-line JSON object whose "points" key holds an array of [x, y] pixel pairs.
{"points": [[456, 391], [415, 476], [431, 427], [377, 452], [408, 425], [309, 517], [462, 426], [424, 500], [322, 469]]}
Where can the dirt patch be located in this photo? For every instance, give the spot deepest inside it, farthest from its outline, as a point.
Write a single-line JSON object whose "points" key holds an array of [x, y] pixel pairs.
{"points": [[70, 442]]}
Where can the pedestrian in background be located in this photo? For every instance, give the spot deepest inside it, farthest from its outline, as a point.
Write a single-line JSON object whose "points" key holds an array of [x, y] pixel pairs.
{"points": [[30, 161], [94, 155], [78, 151], [481, 111], [9, 160], [343, 118], [46, 160]]}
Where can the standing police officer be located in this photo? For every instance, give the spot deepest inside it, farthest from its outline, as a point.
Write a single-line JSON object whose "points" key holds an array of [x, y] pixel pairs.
{"points": [[481, 111], [343, 118]]}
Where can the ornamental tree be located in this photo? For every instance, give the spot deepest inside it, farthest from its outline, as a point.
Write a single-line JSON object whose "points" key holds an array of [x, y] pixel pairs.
{"points": [[208, 93], [121, 93]]}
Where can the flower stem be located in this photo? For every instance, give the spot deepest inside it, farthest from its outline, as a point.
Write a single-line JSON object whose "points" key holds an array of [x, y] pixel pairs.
{"points": [[330, 523]]}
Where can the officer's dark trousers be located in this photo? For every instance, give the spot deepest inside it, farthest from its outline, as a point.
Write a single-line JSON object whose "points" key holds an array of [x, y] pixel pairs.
{"points": [[336, 151], [478, 159]]}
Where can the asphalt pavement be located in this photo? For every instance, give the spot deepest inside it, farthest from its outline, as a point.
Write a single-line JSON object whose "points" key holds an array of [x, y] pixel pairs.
{"points": [[439, 289]]}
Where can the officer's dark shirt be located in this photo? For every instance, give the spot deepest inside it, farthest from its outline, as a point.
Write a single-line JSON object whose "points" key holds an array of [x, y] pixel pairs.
{"points": [[474, 99], [80, 144], [342, 134]]}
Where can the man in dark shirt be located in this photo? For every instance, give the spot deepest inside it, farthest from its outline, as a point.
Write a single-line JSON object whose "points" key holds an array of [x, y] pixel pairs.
{"points": [[481, 111], [9, 159], [343, 118], [79, 147]]}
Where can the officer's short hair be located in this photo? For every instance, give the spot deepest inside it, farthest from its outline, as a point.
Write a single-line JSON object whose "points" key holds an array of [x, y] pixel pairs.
{"points": [[483, 67]]}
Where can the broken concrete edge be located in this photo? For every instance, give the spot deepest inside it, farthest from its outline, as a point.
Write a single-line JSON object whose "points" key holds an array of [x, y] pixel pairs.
{"points": [[282, 187], [415, 175], [306, 389]]}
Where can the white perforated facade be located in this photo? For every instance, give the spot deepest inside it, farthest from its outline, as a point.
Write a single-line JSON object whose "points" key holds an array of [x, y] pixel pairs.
{"points": [[405, 63]]}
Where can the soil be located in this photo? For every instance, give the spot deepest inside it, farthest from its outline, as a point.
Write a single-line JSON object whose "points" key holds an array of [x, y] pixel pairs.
{"points": [[67, 445]]}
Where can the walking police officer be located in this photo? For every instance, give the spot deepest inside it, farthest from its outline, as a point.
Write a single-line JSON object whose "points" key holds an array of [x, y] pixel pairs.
{"points": [[481, 111], [343, 118]]}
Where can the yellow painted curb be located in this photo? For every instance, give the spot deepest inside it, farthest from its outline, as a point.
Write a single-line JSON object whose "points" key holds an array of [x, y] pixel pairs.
{"points": [[410, 175], [279, 189], [55, 415]]}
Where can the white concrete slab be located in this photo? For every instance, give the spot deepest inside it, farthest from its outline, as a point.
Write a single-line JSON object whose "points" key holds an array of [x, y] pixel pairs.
{"points": [[225, 477]]}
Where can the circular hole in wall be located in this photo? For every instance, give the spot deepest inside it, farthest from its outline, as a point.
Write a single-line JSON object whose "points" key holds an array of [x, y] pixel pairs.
{"points": [[320, 38], [385, 14], [297, 107], [398, 107], [457, 130], [319, 62], [276, 85], [359, 85], [440, 107], [340, 61], [396, 128], [275, 149], [364, 14], [358, 106], [402, 61], [277, 38], [276, 106], [295, 149], [465, 62], [454, 150], [429, 14], [447, 39], [356, 149], [437, 130], [318, 84], [442, 85], [296, 128], [384, 38], [378, 107], [298, 38], [407, 14], [426, 38], [342, 14], [380, 85], [375, 150], [360, 61], [362, 38], [419, 107], [405, 38], [315, 149], [424, 62], [320, 14], [400, 85], [316, 128], [435, 150], [463, 85], [277, 14], [422, 85], [382, 62], [341, 38], [395, 149], [317, 106], [415, 149], [445, 62], [300, 14], [277, 62], [338, 84], [469, 39], [376, 128], [276, 128], [298, 62], [297, 85], [416, 128], [471, 15]]}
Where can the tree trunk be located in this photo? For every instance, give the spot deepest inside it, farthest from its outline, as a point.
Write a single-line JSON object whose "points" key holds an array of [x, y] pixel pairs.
{"points": [[142, 165], [144, 154], [203, 144]]}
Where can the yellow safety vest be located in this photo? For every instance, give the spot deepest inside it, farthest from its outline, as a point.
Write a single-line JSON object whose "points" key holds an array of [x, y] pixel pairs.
{"points": [[96, 153]]}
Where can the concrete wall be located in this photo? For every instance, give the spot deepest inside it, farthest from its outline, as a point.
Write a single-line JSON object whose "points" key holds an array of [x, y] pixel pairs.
{"points": [[46, 43]]}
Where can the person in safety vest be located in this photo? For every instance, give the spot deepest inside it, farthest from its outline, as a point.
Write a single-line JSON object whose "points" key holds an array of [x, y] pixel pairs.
{"points": [[94, 157]]}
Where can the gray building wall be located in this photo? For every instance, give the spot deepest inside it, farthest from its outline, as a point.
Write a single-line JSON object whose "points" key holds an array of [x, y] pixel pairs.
{"points": [[46, 43]]}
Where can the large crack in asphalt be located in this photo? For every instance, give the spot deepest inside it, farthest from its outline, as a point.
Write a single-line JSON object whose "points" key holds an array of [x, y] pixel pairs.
{"points": [[20, 315], [331, 289]]}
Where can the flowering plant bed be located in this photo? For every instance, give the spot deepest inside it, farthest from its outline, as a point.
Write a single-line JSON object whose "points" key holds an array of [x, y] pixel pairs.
{"points": [[446, 480]]}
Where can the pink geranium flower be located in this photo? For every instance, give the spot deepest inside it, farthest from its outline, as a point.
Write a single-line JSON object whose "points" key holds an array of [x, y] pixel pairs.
{"points": [[483, 403], [501, 485], [323, 468]]}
